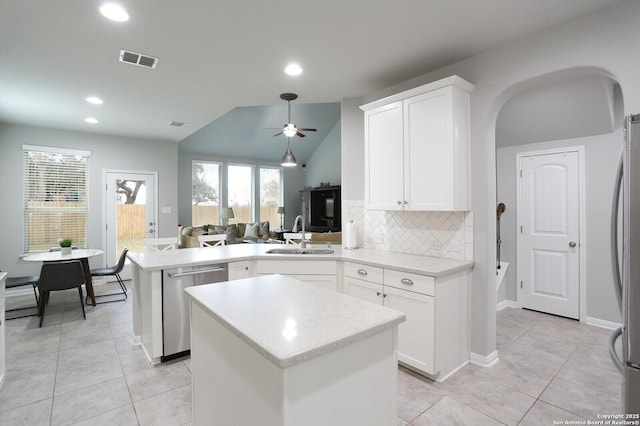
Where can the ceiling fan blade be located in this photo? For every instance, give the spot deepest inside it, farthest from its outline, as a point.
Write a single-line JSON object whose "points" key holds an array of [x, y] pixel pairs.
{"points": [[302, 135], [307, 130], [278, 134]]}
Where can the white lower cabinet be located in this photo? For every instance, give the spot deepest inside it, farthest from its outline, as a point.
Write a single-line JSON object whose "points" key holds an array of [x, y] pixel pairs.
{"points": [[240, 270], [434, 339], [318, 272]]}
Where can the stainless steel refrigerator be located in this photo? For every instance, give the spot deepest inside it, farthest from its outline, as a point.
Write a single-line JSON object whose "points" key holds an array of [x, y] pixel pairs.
{"points": [[626, 266]]}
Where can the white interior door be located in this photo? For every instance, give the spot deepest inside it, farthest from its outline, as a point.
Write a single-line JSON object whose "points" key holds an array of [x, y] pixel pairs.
{"points": [[131, 213], [550, 230]]}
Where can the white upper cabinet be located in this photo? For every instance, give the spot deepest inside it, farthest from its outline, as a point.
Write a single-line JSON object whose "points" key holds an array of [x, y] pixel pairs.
{"points": [[417, 149]]}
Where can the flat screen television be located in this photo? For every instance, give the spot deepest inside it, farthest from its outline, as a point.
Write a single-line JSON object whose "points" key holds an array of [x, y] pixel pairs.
{"points": [[325, 209]]}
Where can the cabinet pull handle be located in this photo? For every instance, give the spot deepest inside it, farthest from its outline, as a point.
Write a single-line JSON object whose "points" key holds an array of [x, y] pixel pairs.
{"points": [[384, 295], [399, 202], [377, 293], [406, 281], [405, 203], [362, 272]]}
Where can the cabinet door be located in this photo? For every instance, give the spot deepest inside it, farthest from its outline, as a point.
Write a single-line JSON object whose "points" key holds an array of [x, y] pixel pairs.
{"points": [[416, 336], [384, 157], [364, 290], [239, 270], [428, 155]]}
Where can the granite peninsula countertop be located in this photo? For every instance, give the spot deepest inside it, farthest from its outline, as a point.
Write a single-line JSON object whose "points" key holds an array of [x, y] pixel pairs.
{"points": [[289, 321], [424, 265]]}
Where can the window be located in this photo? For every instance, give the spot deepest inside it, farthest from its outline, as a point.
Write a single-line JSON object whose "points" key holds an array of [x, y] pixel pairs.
{"points": [[55, 197], [253, 192], [205, 193], [270, 195], [240, 192]]}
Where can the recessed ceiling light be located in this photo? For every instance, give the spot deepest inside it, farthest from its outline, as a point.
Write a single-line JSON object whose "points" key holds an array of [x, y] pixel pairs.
{"points": [[114, 12], [293, 69], [94, 100], [91, 120]]}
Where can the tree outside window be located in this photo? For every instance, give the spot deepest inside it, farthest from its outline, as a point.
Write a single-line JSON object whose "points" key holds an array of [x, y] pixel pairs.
{"points": [[205, 190]]}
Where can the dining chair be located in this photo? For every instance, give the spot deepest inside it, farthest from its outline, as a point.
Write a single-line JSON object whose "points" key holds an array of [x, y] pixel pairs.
{"points": [[295, 238], [161, 244], [113, 271], [56, 276], [14, 282], [212, 240]]}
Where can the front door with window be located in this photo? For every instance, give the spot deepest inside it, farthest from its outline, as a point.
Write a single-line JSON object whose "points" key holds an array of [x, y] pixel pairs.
{"points": [[131, 213]]}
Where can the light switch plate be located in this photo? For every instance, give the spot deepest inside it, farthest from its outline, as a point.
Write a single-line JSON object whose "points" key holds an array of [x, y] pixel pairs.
{"points": [[166, 210]]}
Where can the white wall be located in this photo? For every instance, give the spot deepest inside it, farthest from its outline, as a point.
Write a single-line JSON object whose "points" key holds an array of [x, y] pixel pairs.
{"points": [[107, 152], [324, 163], [604, 40]]}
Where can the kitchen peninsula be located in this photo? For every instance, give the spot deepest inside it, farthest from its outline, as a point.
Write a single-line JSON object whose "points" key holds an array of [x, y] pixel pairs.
{"points": [[432, 292], [293, 352]]}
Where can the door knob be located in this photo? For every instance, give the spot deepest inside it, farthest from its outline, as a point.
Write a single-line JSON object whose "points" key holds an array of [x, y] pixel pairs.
{"points": [[572, 244]]}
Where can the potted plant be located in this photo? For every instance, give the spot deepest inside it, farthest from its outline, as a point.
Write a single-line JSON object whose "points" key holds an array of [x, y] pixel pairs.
{"points": [[65, 246]]}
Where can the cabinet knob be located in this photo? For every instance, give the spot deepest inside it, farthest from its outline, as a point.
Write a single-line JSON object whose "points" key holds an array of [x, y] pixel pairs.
{"points": [[384, 295], [399, 202], [406, 281], [377, 293], [362, 272], [405, 202]]}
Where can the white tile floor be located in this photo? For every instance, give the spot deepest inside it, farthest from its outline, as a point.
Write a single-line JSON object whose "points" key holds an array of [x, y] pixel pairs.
{"points": [[77, 372]]}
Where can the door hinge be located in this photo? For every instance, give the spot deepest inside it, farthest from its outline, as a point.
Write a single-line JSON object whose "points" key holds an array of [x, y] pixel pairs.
{"points": [[520, 284], [521, 229], [106, 187], [520, 173]]}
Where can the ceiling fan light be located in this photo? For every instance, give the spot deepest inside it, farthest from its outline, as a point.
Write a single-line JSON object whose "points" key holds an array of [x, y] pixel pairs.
{"points": [[288, 159], [290, 130]]}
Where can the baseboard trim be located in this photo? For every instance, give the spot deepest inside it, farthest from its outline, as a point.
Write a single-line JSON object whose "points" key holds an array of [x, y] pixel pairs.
{"points": [[610, 325], [484, 361], [506, 304]]}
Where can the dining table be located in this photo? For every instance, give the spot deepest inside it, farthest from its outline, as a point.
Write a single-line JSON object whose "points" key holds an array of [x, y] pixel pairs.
{"points": [[82, 255]]}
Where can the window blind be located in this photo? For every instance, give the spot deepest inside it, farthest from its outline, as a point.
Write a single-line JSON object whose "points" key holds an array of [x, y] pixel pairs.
{"points": [[55, 197]]}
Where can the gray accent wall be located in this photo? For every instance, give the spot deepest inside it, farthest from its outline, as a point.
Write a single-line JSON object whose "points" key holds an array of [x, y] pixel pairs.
{"points": [[107, 152], [324, 164]]}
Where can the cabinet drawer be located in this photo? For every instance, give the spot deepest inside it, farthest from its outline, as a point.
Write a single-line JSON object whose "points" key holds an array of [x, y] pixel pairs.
{"points": [[363, 272], [408, 281]]}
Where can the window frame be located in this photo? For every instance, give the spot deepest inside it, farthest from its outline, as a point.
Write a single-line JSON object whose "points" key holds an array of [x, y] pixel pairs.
{"points": [[221, 197], [32, 193]]}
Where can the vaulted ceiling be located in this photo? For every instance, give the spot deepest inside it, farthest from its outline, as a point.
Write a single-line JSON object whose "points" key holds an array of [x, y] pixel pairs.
{"points": [[215, 56]]}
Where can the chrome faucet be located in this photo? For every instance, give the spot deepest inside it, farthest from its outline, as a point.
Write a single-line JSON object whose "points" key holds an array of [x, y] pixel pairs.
{"points": [[303, 243]]}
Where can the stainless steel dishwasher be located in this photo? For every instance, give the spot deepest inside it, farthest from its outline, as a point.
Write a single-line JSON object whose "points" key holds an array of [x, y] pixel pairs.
{"points": [[176, 335]]}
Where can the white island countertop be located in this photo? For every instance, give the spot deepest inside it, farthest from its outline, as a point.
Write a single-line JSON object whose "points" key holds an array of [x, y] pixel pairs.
{"points": [[289, 321], [424, 265]]}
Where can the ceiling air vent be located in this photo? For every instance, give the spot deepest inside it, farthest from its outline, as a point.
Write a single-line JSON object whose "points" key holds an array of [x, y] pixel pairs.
{"points": [[138, 59], [176, 124]]}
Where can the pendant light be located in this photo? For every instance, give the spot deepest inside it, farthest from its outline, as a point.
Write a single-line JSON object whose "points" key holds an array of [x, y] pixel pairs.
{"points": [[288, 159]]}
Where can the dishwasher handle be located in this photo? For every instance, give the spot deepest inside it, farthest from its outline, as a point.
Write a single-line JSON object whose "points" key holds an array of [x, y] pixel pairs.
{"points": [[197, 272]]}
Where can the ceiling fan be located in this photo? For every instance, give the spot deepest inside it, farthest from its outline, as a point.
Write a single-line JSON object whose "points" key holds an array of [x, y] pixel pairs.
{"points": [[290, 129]]}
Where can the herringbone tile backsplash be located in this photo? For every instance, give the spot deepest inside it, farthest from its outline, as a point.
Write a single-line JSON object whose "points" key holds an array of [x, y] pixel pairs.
{"points": [[440, 234]]}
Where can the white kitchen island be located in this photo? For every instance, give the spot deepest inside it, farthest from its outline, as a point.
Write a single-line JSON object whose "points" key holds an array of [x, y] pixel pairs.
{"points": [[272, 350]]}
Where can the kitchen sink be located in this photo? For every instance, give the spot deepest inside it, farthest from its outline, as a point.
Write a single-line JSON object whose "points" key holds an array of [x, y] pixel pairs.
{"points": [[300, 251]]}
